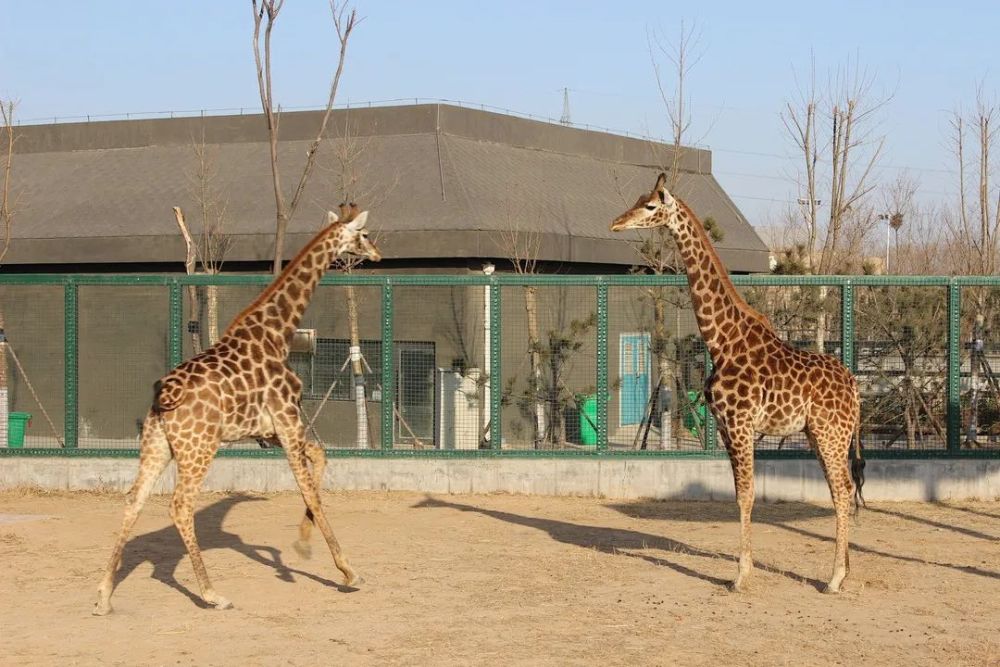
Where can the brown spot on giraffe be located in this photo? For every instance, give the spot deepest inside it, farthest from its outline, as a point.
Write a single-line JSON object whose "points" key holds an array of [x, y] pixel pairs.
{"points": [[760, 384], [200, 403]]}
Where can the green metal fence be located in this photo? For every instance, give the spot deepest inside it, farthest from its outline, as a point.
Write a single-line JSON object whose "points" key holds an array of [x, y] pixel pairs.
{"points": [[503, 365]]}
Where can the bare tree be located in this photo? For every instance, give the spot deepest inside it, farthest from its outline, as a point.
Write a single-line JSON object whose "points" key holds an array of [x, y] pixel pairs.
{"points": [[521, 248], [7, 137], [265, 14], [657, 251], [835, 135], [350, 173], [208, 253], [976, 224]]}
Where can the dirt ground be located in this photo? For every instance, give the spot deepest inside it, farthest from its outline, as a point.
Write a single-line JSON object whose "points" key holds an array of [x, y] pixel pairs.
{"points": [[511, 580]]}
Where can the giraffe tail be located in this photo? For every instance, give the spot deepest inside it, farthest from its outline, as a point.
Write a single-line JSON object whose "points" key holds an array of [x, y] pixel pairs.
{"points": [[858, 469], [167, 395]]}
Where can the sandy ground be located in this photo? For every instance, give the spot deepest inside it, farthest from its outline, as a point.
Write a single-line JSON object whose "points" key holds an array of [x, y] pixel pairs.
{"points": [[511, 580]]}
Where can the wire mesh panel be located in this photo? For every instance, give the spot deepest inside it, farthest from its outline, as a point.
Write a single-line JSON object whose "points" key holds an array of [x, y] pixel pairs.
{"points": [[980, 362], [338, 357], [901, 349], [453, 354], [31, 372], [656, 370], [442, 388], [807, 317], [549, 367], [123, 350]]}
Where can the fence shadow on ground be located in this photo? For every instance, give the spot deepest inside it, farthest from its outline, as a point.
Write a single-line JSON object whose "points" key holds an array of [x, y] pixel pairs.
{"points": [[618, 541], [165, 550]]}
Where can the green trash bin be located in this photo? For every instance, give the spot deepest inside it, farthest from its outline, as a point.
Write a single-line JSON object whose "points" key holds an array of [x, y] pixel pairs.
{"points": [[17, 423], [588, 419], [694, 415]]}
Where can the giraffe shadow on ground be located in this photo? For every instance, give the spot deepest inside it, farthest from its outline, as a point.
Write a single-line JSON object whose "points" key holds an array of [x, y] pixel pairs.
{"points": [[619, 542], [165, 550], [780, 515]]}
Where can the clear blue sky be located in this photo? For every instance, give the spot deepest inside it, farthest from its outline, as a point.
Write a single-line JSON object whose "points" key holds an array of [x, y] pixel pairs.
{"points": [[62, 58]]}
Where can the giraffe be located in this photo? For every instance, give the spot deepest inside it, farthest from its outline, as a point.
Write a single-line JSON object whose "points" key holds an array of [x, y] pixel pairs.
{"points": [[241, 387], [759, 383]]}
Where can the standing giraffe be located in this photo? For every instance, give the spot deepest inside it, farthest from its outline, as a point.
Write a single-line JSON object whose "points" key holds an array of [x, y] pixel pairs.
{"points": [[760, 384], [241, 387]]}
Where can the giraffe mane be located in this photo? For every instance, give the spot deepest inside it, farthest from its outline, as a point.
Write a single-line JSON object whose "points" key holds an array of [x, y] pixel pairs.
{"points": [[720, 268]]}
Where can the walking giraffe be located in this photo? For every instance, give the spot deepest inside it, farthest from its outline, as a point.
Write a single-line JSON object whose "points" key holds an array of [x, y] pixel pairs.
{"points": [[241, 387], [760, 384]]}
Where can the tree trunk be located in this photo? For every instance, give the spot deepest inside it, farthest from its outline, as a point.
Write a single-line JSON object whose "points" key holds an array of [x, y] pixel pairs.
{"points": [[531, 306], [4, 386], [212, 306], [821, 320], [357, 371], [663, 369]]}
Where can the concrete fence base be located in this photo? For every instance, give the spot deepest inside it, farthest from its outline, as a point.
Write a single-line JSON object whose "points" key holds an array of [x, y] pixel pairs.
{"points": [[683, 479]]}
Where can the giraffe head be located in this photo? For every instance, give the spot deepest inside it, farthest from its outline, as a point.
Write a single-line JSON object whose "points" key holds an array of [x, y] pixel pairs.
{"points": [[656, 209], [353, 237]]}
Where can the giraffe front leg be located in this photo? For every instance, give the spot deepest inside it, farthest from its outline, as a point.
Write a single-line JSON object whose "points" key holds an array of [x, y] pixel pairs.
{"points": [[292, 435], [317, 457], [739, 443]]}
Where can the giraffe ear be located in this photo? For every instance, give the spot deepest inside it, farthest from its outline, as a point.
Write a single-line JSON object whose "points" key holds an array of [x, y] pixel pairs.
{"points": [[358, 223], [331, 217], [661, 181]]}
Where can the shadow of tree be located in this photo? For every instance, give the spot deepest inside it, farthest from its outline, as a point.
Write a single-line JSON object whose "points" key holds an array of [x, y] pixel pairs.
{"points": [[968, 510], [164, 549], [937, 524], [617, 541]]}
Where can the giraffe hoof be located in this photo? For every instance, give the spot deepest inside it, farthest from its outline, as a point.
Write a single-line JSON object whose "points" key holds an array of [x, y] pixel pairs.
{"points": [[737, 586], [303, 549], [101, 609], [219, 602], [830, 590], [355, 581]]}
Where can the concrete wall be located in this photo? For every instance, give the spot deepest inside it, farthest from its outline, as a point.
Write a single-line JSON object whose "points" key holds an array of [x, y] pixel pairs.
{"points": [[687, 479]]}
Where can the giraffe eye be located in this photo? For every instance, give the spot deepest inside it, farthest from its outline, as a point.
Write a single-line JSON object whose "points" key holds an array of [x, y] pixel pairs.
{"points": [[650, 207]]}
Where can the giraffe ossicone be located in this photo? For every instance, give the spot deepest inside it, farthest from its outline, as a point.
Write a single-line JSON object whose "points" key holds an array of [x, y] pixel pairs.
{"points": [[759, 383], [242, 387]]}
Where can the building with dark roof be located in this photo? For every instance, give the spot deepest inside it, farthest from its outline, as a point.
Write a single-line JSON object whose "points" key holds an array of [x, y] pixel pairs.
{"points": [[445, 183]]}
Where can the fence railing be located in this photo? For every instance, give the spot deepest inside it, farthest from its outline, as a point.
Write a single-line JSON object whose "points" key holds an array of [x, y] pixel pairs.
{"points": [[500, 365]]}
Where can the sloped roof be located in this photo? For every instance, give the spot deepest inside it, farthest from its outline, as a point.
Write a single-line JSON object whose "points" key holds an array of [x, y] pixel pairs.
{"points": [[441, 182]]}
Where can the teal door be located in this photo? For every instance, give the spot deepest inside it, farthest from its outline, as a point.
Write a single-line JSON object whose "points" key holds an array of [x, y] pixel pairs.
{"points": [[633, 368]]}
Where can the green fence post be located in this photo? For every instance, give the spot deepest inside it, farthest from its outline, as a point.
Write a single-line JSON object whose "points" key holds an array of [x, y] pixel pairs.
{"points": [[496, 372], [602, 365], [71, 385], [847, 326], [388, 368], [954, 366], [175, 335]]}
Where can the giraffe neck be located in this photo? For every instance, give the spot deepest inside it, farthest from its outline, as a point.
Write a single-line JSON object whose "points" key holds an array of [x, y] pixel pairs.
{"points": [[722, 315], [280, 307]]}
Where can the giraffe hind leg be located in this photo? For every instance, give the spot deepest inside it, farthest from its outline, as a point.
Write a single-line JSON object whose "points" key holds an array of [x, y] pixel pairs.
{"points": [[190, 474], [832, 452], [154, 455]]}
